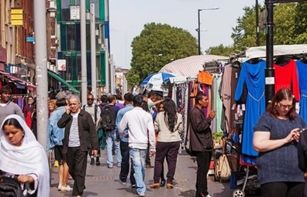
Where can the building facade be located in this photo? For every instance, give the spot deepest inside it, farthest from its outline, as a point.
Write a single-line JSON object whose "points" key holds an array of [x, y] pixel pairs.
{"points": [[68, 28]]}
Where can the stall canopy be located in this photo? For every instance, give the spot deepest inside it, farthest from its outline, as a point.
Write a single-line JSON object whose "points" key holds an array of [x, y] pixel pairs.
{"points": [[17, 81], [190, 66], [60, 79], [260, 52]]}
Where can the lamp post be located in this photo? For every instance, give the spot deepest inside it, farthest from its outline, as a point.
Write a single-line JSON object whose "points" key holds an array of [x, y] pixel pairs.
{"points": [[257, 22], [198, 28]]}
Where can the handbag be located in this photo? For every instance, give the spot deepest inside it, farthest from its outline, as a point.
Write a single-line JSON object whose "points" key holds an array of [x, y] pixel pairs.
{"points": [[10, 187], [223, 168]]}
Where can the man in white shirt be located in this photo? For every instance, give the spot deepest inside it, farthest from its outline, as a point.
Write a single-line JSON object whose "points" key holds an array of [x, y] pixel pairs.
{"points": [[140, 131]]}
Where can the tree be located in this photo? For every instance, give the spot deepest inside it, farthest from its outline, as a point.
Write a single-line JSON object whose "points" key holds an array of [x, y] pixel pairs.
{"points": [[290, 24], [157, 45], [221, 50]]}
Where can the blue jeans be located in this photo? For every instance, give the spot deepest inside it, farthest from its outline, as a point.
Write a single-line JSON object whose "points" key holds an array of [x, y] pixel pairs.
{"points": [[111, 141], [138, 160]]}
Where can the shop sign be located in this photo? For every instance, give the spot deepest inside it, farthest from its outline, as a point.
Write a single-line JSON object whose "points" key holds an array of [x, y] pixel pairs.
{"points": [[75, 12], [16, 16]]}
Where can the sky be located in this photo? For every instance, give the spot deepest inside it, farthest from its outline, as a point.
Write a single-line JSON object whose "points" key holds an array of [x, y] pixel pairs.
{"points": [[128, 17]]}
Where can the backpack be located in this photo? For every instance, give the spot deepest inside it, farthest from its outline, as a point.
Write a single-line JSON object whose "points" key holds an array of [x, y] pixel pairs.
{"points": [[10, 187], [107, 118]]}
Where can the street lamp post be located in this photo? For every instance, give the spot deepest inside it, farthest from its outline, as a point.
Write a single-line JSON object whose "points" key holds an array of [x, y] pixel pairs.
{"points": [[198, 28]]}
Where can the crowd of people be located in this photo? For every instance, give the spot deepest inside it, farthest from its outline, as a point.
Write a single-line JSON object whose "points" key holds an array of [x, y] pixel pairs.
{"points": [[134, 130]]}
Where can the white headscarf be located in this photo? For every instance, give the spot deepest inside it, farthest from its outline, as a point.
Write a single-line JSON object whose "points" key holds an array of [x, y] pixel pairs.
{"points": [[28, 158]]}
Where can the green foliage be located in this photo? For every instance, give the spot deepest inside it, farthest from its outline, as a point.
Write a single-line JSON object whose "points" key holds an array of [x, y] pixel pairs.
{"points": [[290, 24], [157, 45]]}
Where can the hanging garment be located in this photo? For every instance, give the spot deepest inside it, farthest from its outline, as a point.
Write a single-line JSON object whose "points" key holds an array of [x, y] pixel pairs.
{"points": [[302, 72], [228, 86], [254, 77], [286, 77], [205, 77]]}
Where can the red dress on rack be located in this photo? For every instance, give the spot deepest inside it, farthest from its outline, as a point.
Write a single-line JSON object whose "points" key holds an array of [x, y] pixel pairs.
{"points": [[286, 77]]}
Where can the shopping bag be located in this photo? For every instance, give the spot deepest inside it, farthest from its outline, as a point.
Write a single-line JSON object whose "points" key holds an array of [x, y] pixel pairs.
{"points": [[223, 168]]}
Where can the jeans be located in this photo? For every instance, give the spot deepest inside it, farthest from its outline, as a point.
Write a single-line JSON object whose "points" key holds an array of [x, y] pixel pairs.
{"points": [[124, 170], [111, 141], [138, 160]]}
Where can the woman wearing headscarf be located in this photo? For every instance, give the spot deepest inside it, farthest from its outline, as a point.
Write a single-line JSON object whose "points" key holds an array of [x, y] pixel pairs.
{"points": [[22, 156]]}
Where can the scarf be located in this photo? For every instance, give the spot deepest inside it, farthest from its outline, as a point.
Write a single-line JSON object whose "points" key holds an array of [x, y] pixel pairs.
{"points": [[28, 158]]}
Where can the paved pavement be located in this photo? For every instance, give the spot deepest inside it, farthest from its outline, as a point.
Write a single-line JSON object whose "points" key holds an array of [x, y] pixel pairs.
{"points": [[102, 181]]}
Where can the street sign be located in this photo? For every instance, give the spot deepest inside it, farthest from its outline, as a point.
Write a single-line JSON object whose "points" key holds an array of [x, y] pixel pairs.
{"points": [[30, 39], [75, 12], [16, 16]]}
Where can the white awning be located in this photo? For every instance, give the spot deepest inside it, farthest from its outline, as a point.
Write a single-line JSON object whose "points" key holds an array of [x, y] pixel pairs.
{"points": [[260, 52], [190, 66]]}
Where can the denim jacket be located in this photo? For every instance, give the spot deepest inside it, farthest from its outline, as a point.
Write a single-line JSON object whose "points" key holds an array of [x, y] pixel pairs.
{"points": [[56, 134]]}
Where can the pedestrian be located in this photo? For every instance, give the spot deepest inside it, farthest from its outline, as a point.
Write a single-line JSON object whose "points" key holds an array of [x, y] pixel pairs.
{"points": [[79, 138], [168, 125], [140, 131], [107, 123], [124, 146], [275, 137], [56, 136], [7, 106], [95, 111], [28, 111], [22, 156], [201, 141]]}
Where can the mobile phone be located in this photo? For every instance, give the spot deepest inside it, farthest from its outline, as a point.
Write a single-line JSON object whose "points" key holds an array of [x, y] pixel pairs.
{"points": [[303, 130]]}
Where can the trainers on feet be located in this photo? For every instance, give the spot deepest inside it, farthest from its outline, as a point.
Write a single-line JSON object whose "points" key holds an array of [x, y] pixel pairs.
{"points": [[66, 188], [59, 187], [133, 186]]}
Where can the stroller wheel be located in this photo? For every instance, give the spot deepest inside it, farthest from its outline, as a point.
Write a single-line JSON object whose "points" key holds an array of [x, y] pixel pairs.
{"points": [[238, 193]]}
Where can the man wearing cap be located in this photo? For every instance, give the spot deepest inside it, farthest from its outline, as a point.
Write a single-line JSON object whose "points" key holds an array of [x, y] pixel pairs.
{"points": [[8, 107]]}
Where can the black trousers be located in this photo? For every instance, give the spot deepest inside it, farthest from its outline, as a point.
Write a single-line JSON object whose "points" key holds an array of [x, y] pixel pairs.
{"points": [[125, 165], [282, 189], [168, 150], [203, 162], [77, 161]]}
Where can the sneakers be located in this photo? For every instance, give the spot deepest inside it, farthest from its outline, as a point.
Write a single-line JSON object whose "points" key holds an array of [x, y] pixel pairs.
{"points": [[110, 166], [66, 188], [59, 187], [162, 183], [133, 186]]}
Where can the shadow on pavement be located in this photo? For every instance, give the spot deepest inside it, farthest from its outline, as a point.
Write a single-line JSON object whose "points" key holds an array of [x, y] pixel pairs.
{"points": [[188, 193]]}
